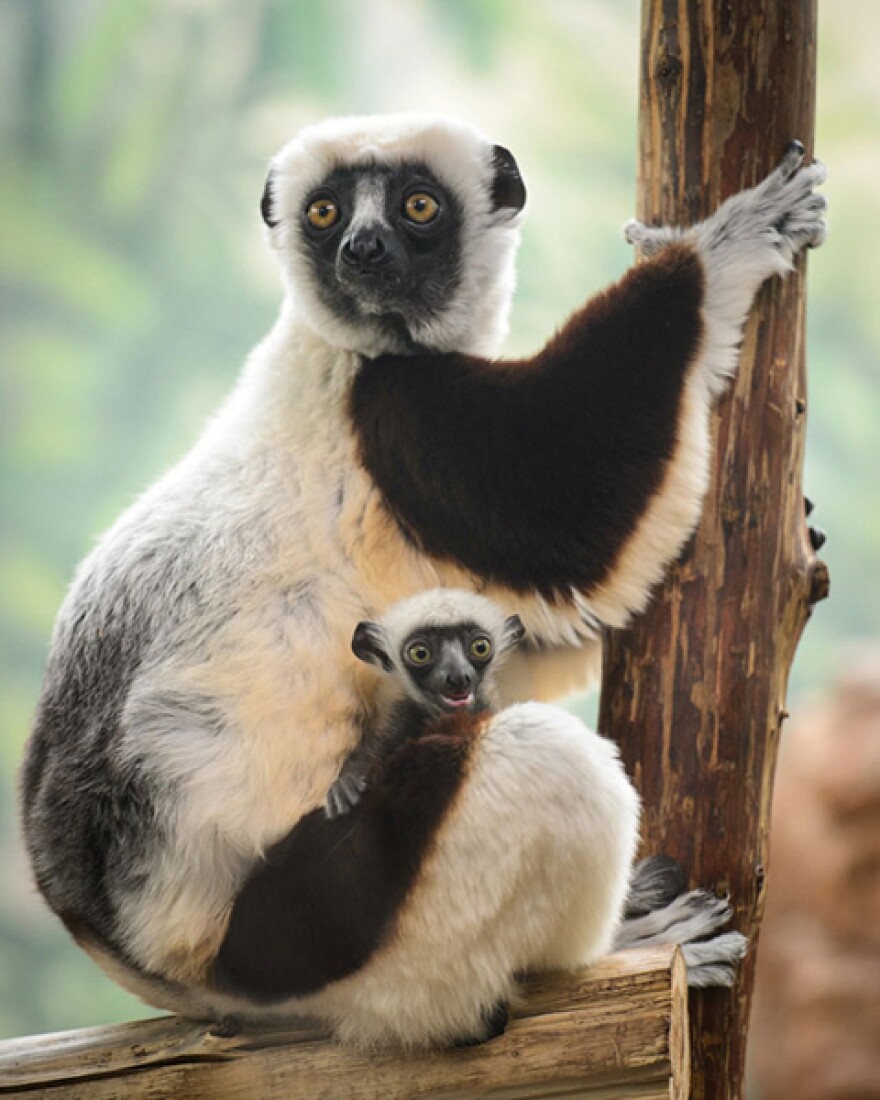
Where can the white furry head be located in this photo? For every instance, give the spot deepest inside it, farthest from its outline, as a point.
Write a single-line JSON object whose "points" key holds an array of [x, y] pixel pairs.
{"points": [[466, 163], [443, 607], [445, 623]]}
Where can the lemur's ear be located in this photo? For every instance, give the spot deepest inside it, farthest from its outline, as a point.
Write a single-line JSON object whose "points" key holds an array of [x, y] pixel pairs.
{"points": [[267, 203], [370, 643], [508, 189], [514, 632]]}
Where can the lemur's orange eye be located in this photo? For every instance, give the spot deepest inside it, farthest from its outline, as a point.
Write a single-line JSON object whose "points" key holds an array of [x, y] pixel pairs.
{"points": [[421, 208], [323, 213], [419, 653], [481, 648]]}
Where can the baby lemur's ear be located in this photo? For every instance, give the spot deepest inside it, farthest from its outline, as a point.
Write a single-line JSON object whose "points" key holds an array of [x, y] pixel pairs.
{"points": [[514, 632], [371, 644]]}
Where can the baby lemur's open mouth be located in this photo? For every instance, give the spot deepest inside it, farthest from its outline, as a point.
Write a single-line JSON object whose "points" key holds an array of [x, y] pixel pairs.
{"points": [[458, 700]]}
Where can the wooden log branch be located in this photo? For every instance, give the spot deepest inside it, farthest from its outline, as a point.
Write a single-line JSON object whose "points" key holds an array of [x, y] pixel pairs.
{"points": [[617, 1031], [695, 692]]}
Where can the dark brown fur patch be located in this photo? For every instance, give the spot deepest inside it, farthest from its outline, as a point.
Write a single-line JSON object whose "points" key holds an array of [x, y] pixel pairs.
{"points": [[535, 473], [326, 896]]}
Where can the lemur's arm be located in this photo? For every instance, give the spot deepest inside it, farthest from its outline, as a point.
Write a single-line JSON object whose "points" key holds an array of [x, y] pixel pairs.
{"points": [[584, 468]]}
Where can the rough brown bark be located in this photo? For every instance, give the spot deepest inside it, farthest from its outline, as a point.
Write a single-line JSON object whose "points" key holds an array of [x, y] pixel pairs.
{"points": [[694, 692]]}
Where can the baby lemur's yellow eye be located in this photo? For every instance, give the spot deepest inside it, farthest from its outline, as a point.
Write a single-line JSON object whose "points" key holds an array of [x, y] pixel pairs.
{"points": [[421, 208], [418, 653], [481, 648], [323, 213]]}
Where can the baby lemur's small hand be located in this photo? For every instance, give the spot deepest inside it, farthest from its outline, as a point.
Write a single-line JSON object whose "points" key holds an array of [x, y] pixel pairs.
{"points": [[345, 793], [350, 784]]}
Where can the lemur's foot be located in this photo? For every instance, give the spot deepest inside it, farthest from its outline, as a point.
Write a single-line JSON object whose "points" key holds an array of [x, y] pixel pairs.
{"points": [[714, 962], [693, 921], [344, 795], [782, 216], [802, 221], [660, 911], [764, 228]]}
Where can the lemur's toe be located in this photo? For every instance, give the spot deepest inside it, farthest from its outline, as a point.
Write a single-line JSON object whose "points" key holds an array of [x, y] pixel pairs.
{"points": [[817, 538], [808, 506], [792, 159], [350, 786], [818, 236]]}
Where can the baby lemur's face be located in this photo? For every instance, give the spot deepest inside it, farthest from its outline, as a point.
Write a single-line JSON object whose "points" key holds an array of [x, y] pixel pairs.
{"points": [[448, 667], [443, 660]]}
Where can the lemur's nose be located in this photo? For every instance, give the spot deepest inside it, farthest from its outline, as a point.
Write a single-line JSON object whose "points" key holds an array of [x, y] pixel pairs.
{"points": [[459, 681], [365, 248]]}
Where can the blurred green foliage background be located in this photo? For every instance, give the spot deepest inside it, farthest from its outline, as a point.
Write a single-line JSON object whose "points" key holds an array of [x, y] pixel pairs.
{"points": [[134, 279]]}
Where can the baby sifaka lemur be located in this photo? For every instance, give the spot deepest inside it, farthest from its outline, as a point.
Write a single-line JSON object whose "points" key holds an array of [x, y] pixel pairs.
{"points": [[439, 654], [443, 650]]}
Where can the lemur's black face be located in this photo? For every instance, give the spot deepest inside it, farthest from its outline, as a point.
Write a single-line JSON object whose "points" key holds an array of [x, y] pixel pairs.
{"points": [[383, 243], [447, 666]]}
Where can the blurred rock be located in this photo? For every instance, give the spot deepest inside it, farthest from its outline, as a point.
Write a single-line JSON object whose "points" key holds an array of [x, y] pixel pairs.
{"points": [[815, 1029]]}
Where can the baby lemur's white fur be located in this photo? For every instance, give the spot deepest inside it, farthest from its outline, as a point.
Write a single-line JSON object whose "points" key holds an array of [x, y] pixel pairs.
{"points": [[201, 695]]}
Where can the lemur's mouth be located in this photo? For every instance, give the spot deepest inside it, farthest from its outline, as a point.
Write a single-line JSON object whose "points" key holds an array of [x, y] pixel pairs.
{"points": [[459, 700]]}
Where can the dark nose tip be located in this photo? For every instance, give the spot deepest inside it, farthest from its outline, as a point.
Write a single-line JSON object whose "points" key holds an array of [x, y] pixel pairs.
{"points": [[459, 681], [364, 249]]}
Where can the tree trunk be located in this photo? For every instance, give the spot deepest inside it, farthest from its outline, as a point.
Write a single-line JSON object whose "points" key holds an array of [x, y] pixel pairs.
{"points": [[694, 692]]}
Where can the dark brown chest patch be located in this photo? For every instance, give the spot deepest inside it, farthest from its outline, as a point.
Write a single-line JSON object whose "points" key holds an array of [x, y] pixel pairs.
{"points": [[535, 473]]}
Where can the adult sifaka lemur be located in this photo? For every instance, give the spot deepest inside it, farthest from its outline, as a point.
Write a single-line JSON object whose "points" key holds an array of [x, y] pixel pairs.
{"points": [[201, 696]]}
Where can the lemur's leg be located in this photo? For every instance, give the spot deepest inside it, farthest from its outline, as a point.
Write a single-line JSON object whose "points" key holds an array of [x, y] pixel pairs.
{"points": [[503, 892]]}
